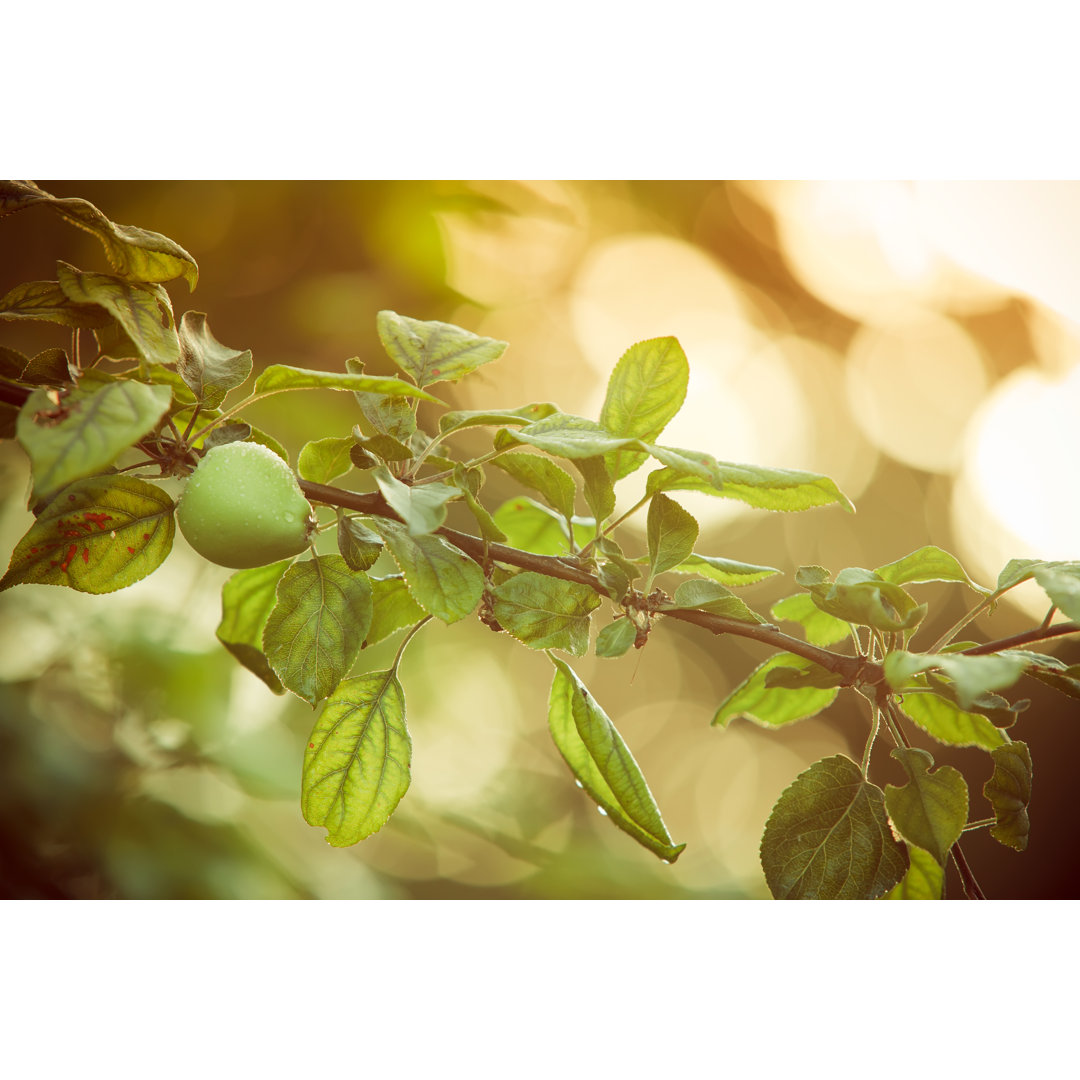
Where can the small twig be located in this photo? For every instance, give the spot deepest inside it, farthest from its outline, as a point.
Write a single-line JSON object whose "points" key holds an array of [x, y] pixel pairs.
{"points": [[971, 886]]}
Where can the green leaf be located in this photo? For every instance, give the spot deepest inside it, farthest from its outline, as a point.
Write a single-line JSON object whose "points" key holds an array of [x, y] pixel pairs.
{"points": [[531, 527], [314, 633], [463, 418], [614, 579], [799, 679], [1009, 792], [45, 301], [278, 377], [769, 707], [1067, 681], [568, 436], [225, 434], [616, 638], [828, 838], [444, 581], [356, 767], [1061, 582], [381, 447], [391, 416], [598, 489], [208, 367], [646, 389], [422, 507], [924, 880], [393, 608], [1017, 571], [927, 564], [726, 571], [819, 628], [602, 764], [486, 523], [96, 536], [48, 368], [972, 676], [672, 533], [87, 431], [932, 809], [433, 352], [135, 253], [546, 613], [323, 460], [359, 546], [755, 485], [714, 597], [947, 722], [143, 310], [860, 596], [247, 599]]}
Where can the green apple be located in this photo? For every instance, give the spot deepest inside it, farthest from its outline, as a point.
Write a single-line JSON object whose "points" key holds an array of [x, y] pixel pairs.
{"points": [[243, 507]]}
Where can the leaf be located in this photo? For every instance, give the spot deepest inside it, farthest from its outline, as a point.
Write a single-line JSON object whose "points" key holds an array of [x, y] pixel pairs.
{"points": [[819, 628], [135, 253], [279, 377], [924, 880], [828, 837], [1017, 571], [755, 485], [486, 523], [392, 608], [356, 766], [143, 310], [714, 597], [602, 764], [768, 707], [358, 545], [422, 507], [434, 351], [931, 810], [799, 679], [444, 581], [381, 447], [463, 418], [391, 416], [87, 431], [96, 536], [860, 596], [726, 571], [971, 675], [927, 564], [45, 301], [225, 434], [247, 599], [1067, 681], [322, 460], [48, 368], [314, 633], [672, 533], [646, 389], [614, 579], [947, 722], [1009, 792], [529, 526], [567, 436], [1061, 582], [545, 613], [599, 491], [616, 638], [208, 367]]}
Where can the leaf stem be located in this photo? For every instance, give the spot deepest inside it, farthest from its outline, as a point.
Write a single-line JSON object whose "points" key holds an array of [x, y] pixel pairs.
{"points": [[971, 826], [612, 525], [405, 641], [971, 886], [875, 725], [959, 625]]}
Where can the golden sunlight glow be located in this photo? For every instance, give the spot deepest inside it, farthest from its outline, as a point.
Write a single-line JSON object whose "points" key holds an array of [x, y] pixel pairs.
{"points": [[861, 249], [1024, 235], [1015, 496], [913, 387]]}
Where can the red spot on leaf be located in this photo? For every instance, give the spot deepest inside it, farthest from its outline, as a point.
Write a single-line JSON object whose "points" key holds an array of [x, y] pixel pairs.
{"points": [[146, 536], [131, 551], [86, 556], [71, 498], [311, 746], [70, 555]]}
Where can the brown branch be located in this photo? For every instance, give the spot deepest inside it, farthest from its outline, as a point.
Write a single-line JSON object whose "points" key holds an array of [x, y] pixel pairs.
{"points": [[1041, 633], [850, 668]]}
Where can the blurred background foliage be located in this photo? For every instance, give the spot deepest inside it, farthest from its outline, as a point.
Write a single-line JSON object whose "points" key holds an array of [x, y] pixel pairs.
{"points": [[916, 342]]}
